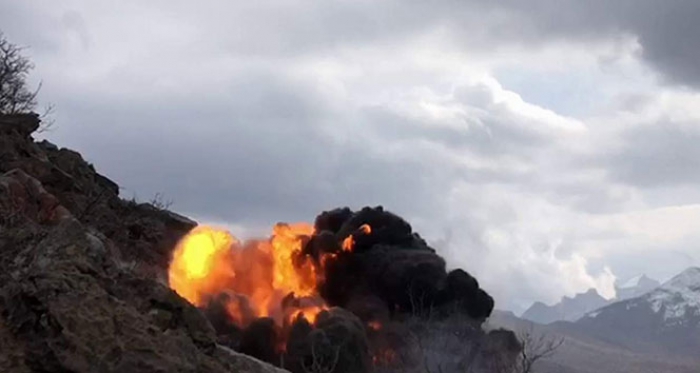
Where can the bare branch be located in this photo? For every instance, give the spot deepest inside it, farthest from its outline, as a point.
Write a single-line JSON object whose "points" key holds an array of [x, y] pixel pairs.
{"points": [[15, 96], [47, 121], [160, 203], [320, 361], [536, 348]]}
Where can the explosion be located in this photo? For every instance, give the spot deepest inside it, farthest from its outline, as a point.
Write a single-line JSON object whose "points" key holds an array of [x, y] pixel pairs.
{"points": [[344, 284], [199, 265], [209, 261]]}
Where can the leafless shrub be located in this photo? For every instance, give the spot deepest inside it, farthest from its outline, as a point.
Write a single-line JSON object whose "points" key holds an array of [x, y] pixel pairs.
{"points": [[15, 95], [160, 203], [420, 304], [536, 348], [445, 345], [322, 360], [47, 120]]}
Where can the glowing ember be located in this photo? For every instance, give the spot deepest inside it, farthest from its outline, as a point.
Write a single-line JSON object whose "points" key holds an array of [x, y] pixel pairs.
{"points": [[349, 241], [374, 325], [384, 357]]}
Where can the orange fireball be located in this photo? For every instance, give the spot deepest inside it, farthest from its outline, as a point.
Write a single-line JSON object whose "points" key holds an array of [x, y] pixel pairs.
{"points": [[208, 262], [200, 265]]}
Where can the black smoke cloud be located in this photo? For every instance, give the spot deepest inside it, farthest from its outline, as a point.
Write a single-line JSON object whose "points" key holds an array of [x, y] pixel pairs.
{"points": [[395, 265], [391, 275]]}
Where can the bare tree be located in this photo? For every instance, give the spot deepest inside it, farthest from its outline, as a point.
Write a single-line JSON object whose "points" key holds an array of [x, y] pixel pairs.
{"points": [[323, 360], [440, 345], [15, 95], [420, 306], [158, 201], [536, 348]]}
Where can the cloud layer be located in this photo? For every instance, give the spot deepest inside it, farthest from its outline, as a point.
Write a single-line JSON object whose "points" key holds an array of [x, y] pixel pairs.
{"points": [[546, 148]]}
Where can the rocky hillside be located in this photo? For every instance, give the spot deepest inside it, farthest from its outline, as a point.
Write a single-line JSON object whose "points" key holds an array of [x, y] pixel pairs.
{"points": [[84, 286], [82, 272]]}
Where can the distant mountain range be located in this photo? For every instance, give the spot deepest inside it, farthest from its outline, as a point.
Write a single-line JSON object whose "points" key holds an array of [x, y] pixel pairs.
{"points": [[568, 309], [657, 331], [572, 309], [665, 319], [635, 287]]}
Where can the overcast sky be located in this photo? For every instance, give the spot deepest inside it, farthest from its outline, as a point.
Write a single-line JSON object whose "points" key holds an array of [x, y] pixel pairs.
{"points": [[546, 146]]}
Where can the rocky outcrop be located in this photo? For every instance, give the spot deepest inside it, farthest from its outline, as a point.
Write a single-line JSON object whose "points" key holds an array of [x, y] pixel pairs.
{"points": [[145, 233], [79, 267], [83, 286]]}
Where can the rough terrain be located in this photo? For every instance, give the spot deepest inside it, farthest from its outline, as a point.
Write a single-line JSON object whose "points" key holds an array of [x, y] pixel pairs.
{"points": [[82, 272]]}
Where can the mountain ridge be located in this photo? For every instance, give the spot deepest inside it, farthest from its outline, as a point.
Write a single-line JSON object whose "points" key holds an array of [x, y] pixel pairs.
{"points": [[582, 352], [574, 308], [666, 319]]}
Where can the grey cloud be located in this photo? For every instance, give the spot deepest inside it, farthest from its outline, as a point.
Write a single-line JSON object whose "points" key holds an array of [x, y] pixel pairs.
{"points": [[667, 30], [485, 128], [658, 155], [254, 143], [257, 157]]}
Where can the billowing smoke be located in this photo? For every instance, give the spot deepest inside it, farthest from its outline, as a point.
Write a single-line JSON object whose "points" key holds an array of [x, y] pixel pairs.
{"points": [[352, 293], [391, 268]]}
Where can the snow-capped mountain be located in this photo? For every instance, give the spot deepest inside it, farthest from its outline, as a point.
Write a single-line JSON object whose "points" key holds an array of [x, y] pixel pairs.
{"points": [[572, 309], [584, 353], [657, 331], [667, 317], [679, 298], [634, 287]]}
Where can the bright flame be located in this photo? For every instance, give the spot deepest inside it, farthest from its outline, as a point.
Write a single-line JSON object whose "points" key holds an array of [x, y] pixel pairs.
{"points": [[199, 264], [287, 243], [208, 262], [310, 313]]}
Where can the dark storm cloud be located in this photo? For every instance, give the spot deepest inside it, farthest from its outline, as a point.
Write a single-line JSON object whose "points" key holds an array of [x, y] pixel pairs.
{"points": [[667, 30]]}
